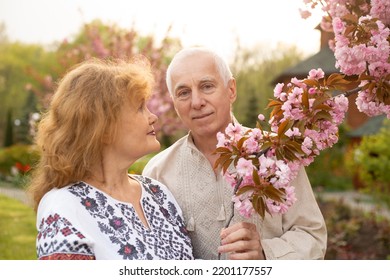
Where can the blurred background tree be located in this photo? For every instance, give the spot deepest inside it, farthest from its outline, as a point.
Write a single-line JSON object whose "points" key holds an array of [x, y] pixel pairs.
{"points": [[97, 39], [15, 60], [254, 69]]}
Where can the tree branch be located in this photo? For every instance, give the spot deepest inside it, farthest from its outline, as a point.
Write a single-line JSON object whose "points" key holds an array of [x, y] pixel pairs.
{"points": [[352, 91]]}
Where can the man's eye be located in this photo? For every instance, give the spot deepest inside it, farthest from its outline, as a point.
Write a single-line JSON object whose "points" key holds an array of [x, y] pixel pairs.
{"points": [[208, 87], [183, 94]]}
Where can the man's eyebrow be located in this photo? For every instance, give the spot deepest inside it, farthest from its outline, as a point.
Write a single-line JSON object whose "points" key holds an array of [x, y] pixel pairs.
{"points": [[207, 79], [180, 86], [202, 80]]}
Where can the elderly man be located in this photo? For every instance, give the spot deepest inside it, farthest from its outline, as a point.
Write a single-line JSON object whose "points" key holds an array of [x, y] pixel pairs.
{"points": [[203, 91]]}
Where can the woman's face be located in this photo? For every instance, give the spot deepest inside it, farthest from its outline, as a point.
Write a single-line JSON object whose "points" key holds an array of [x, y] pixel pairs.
{"points": [[136, 136]]}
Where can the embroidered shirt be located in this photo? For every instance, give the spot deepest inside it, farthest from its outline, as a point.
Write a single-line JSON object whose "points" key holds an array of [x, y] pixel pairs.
{"points": [[81, 222], [205, 198]]}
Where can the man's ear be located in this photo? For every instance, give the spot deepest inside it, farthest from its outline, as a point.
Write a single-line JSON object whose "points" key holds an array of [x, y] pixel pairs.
{"points": [[232, 90]]}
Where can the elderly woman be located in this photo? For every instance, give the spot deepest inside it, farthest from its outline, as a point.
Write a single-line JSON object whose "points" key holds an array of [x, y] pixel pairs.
{"points": [[88, 206]]}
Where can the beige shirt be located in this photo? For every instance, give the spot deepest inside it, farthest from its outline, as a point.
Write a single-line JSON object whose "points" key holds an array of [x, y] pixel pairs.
{"points": [[205, 199]]}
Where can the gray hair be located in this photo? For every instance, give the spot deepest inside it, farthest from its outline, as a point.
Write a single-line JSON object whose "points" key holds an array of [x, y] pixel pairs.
{"points": [[222, 66]]}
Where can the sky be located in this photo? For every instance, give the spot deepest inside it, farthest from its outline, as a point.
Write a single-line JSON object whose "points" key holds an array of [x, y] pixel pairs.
{"points": [[212, 23]]}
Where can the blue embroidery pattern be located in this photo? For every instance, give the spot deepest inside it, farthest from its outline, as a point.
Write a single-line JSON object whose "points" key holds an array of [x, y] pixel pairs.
{"points": [[167, 237]]}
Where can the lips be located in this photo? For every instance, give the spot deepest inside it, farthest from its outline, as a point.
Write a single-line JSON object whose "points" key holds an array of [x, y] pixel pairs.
{"points": [[152, 132], [198, 117]]}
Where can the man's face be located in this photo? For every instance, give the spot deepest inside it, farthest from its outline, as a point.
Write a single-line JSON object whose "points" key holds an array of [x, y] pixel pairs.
{"points": [[200, 96]]}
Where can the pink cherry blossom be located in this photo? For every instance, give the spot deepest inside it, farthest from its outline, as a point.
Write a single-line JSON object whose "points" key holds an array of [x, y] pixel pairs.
{"points": [[244, 167], [303, 119]]}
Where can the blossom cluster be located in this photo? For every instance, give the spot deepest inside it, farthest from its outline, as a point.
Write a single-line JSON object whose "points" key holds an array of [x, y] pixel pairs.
{"points": [[304, 121], [361, 47], [255, 176]]}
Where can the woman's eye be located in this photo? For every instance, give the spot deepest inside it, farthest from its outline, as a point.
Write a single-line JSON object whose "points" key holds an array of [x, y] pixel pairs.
{"points": [[142, 107]]}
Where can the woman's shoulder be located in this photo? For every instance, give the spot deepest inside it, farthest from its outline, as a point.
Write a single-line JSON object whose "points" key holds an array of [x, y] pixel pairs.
{"points": [[57, 199]]}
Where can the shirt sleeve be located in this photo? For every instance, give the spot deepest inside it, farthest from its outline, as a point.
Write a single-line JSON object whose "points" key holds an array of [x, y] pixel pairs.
{"points": [[305, 234], [58, 237]]}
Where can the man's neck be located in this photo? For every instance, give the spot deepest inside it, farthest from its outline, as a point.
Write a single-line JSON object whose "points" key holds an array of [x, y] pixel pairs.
{"points": [[207, 146]]}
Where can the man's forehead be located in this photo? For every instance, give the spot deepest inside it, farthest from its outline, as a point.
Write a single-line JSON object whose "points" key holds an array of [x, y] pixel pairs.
{"points": [[187, 80], [194, 69]]}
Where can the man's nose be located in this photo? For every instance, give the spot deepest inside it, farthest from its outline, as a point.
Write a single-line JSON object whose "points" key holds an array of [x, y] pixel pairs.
{"points": [[197, 100]]}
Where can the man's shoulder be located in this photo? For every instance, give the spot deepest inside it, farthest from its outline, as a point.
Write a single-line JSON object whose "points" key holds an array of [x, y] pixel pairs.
{"points": [[172, 149], [167, 154]]}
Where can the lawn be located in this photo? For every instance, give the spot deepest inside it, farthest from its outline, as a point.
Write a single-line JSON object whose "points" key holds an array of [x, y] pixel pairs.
{"points": [[17, 230]]}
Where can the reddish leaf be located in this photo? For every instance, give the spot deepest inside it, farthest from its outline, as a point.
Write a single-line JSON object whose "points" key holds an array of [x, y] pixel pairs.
{"points": [[245, 189], [322, 115], [273, 103], [305, 99], [311, 83], [320, 100], [275, 194], [284, 126], [323, 107], [260, 205], [221, 150]]}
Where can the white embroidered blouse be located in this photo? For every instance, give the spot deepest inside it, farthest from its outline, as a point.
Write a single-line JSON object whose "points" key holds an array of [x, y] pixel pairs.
{"points": [[82, 222]]}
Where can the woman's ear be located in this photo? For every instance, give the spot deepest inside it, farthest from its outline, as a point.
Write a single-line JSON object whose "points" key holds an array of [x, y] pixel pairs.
{"points": [[107, 137]]}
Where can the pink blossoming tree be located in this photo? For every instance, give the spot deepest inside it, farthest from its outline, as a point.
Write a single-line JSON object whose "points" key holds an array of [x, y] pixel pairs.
{"points": [[110, 41], [260, 163]]}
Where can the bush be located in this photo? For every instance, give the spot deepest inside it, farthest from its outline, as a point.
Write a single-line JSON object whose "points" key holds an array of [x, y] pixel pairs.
{"points": [[16, 161], [139, 165], [371, 163], [353, 234], [328, 171]]}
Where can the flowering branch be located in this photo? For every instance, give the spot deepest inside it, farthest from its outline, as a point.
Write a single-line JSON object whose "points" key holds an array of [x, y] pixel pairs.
{"points": [[306, 113], [304, 120]]}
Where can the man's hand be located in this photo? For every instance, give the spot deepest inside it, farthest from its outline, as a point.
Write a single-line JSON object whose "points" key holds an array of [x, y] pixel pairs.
{"points": [[242, 242]]}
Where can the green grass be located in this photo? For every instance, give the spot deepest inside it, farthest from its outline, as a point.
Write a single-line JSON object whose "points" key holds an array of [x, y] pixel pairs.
{"points": [[17, 230]]}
